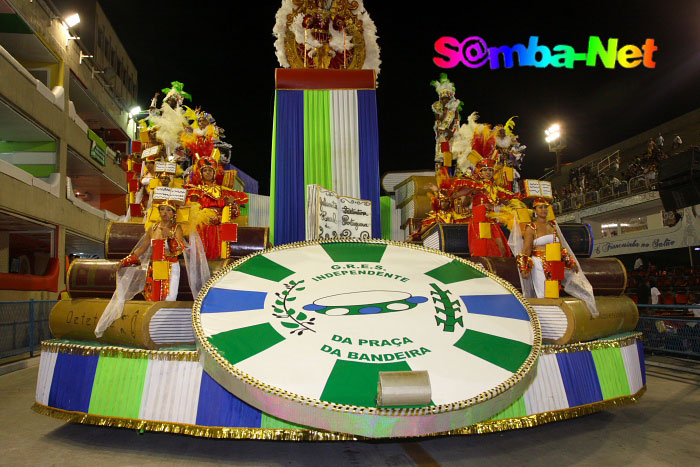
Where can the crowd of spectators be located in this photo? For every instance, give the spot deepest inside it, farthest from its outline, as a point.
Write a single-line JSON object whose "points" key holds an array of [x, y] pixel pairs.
{"points": [[615, 174]]}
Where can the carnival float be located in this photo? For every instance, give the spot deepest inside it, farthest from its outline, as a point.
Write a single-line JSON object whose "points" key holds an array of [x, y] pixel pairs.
{"points": [[490, 317]]}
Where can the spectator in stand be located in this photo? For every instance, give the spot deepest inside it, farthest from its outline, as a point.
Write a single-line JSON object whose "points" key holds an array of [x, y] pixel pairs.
{"points": [[652, 148], [615, 184], [643, 294], [660, 141], [651, 176], [677, 142], [654, 292]]}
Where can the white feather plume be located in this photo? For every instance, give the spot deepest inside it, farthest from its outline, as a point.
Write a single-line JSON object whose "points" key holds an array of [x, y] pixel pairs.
{"points": [[504, 142], [462, 142], [372, 60], [170, 123], [280, 31]]}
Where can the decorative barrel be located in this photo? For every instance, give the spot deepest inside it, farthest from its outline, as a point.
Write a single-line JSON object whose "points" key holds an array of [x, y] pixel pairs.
{"points": [[579, 237], [122, 237], [607, 275], [96, 278], [454, 238]]}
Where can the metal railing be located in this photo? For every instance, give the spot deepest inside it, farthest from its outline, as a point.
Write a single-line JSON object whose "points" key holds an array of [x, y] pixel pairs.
{"points": [[635, 185], [23, 325], [607, 162], [638, 184], [677, 335]]}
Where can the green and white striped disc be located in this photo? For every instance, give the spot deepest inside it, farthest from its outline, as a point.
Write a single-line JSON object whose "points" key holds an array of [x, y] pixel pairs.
{"points": [[302, 331]]}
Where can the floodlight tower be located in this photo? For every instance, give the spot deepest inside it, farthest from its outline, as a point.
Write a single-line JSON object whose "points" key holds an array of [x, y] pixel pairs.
{"points": [[557, 143]]}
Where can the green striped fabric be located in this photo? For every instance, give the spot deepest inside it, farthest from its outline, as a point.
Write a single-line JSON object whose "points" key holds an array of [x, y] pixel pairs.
{"points": [[515, 410], [118, 386], [385, 213], [245, 209], [611, 372], [318, 167], [272, 174], [268, 421]]}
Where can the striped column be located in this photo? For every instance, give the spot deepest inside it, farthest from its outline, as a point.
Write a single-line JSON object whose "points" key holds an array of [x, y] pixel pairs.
{"points": [[324, 132]]}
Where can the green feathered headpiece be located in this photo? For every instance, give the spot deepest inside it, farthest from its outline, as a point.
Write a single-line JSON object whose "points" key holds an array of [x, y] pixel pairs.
{"points": [[177, 88]]}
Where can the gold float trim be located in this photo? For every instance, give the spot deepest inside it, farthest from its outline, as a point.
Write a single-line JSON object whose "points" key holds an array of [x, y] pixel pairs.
{"points": [[304, 434]]}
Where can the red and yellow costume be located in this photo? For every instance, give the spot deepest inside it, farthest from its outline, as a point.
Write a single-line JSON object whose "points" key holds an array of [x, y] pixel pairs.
{"points": [[485, 235], [211, 199], [165, 252], [548, 261]]}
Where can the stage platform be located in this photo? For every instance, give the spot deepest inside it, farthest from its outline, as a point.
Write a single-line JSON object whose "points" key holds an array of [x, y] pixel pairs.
{"points": [[167, 391]]}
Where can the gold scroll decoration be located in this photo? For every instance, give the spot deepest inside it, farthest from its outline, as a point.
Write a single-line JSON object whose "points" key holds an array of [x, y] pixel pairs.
{"points": [[77, 318]]}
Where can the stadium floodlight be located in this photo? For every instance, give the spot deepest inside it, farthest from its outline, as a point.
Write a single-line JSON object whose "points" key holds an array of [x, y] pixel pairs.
{"points": [[72, 20], [555, 138]]}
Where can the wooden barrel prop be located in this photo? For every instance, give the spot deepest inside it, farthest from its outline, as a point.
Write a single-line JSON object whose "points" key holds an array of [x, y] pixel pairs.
{"points": [[122, 237], [606, 275], [454, 238], [303, 331], [579, 237], [96, 278]]}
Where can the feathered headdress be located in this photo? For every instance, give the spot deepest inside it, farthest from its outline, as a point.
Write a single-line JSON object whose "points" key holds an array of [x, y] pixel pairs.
{"points": [[443, 86], [177, 90], [170, 123]]}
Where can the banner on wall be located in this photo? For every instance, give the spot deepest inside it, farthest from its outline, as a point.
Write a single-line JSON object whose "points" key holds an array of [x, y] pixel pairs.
{"points": [[98, 148], [684, 233]]}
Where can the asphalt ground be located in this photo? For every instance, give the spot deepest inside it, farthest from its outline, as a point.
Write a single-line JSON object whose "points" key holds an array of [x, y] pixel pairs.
{"points": [[661, 429]]}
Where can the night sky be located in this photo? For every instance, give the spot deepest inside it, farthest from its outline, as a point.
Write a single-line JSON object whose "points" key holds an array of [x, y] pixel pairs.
{"points": [[224, 53]]}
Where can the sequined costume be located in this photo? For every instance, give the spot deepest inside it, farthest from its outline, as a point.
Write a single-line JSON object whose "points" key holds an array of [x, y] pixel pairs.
{"points": [[211, 199], [541, 268], [486, 196], [166, 289]]}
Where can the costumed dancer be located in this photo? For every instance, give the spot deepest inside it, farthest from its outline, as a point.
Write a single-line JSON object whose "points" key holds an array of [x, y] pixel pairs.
{"points": [[152, 267], [490, 203], [545, 260], [152, 153], [446, 209], [511, 156], [215, 206], [447, 120], [170, 119]]}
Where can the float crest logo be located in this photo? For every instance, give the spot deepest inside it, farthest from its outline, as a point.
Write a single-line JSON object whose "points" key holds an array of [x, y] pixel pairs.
{"points": [[474, 53]]}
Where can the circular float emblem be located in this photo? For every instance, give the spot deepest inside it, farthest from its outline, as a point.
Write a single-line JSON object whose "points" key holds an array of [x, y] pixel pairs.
{"points": [[303, 331]]}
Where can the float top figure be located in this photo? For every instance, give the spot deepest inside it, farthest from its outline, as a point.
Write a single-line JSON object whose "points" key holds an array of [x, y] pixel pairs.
{"points": [[327, 34], [447, 120]]}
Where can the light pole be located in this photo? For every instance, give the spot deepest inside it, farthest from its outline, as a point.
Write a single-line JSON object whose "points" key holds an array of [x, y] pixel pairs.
{"points": [[557, 143]]}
